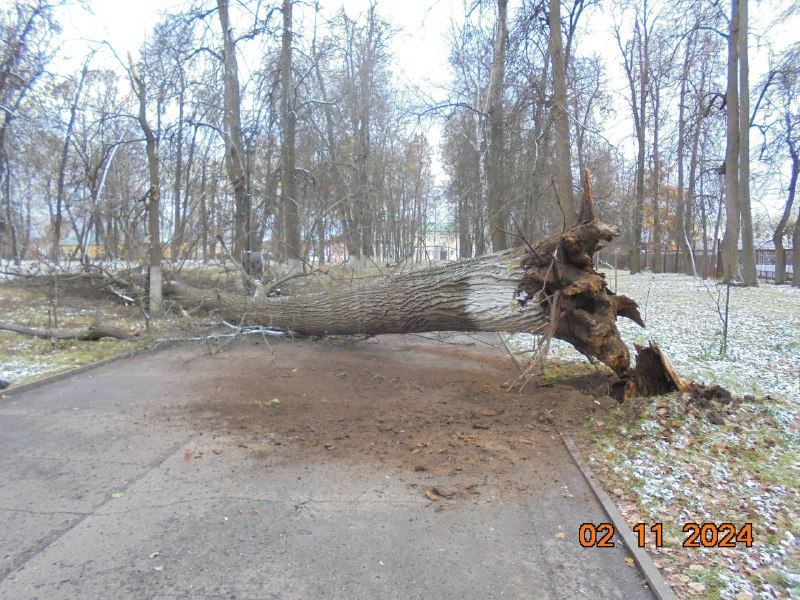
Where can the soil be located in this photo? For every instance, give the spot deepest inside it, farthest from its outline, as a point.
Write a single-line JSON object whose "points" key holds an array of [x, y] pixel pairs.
{"points": [[435, 408]]}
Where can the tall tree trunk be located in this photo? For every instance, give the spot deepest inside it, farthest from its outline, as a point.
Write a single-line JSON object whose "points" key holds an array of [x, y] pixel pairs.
{"points": [[749, 273], [685, 197], [635, 55], [154, 194], [658, 266], [234, 144], [176, 200], [563, 164], [288, 125], [730, 241], [494, 172]]}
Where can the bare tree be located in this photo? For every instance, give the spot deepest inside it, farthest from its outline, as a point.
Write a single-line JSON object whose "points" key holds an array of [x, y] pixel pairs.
{"points": [[153, 194], [63, 166], [27, 28], [781, 88], [234, 141], [636, 60]]}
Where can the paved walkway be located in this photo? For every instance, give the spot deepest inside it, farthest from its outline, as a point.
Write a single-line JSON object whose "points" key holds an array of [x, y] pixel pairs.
{"points": [[101, 496]]}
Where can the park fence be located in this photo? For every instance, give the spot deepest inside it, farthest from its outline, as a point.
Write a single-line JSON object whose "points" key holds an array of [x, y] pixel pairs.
{"points": [[709, 264]]}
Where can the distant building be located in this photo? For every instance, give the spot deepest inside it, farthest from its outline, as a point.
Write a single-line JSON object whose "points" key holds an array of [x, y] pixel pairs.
{"points": [[69, 246], [441, 243]]}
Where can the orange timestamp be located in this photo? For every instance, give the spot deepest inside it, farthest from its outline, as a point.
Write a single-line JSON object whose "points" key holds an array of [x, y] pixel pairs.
{"points": [[705, 535]]}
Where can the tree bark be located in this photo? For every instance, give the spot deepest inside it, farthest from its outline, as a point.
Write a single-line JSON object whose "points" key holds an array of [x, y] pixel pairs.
{"points": [[749, 273], [494, 170], [561, 118], [91, 334], [658, 266], [550, 288], [154, 194], [291, 237], [681, 229], [234, 142], [780, 230], [730, 240]]}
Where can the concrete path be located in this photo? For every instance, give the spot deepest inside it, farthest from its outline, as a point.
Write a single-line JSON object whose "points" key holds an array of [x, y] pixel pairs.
{"points": [[101, 497]]}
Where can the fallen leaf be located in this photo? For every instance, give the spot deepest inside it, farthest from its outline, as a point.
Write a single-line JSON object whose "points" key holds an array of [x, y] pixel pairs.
{"points": [[118, 495], [561, 535], [188, 454], [158, 568], [629, 561], [697, 587], [153, 555], [431, 496], [696, 567], [567, 493]]}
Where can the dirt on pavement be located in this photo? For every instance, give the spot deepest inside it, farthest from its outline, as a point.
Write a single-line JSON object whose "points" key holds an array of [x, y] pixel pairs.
{"points": [[440, 412]]}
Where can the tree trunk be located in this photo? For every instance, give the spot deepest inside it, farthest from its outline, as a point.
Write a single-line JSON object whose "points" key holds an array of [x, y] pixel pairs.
{"points": [[234, 144], [92, 334], [657, 249], [563, 163], [291, 237], [681, 230], [154, 194], [177, 225], [780, 230], [635, 55], [494, 162], [730, 240], [749, 274], [551, 289]]}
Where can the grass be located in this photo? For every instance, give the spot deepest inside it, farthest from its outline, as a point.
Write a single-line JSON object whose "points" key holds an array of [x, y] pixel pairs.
{"points": [[29, 303], [676, 467]]}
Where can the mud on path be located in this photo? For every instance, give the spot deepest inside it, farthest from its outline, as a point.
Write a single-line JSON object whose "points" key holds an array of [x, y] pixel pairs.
{"points": [[433, 410]]}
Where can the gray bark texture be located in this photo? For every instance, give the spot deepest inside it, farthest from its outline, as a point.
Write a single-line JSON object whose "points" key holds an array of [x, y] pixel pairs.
{"points": [[563, 177], [494, 170], [550, 288], [730, 240], [154, 195]]}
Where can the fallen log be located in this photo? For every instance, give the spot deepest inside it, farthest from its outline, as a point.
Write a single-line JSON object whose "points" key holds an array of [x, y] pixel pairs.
{"points": [[90, 334], [550, 288]]}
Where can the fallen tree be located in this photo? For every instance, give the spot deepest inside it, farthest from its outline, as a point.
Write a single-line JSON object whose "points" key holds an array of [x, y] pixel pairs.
{"points": [[90, 334], [549, 288]]}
